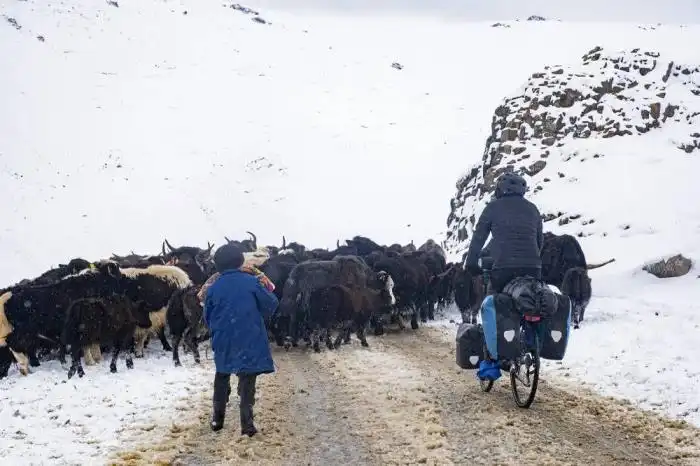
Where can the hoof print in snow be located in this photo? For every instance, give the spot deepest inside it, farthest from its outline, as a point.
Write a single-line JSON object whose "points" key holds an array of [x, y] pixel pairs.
{"points": [[258, 19], [675, 266], [500, 25], [536, 18], [41, 38], [396, 65], [113, 3]]}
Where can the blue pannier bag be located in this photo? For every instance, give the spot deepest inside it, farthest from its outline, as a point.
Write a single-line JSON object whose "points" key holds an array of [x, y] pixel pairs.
{"points": [[501, 323], [555, 331], [470, 345]]}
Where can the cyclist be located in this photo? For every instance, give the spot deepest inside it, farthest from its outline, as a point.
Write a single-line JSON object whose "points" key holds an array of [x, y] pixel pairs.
{"points": [[516, 226]]}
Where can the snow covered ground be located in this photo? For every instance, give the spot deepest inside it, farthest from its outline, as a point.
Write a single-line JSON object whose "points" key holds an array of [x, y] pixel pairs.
{"points": [[120, 126], [637, 342], [47, 419]]}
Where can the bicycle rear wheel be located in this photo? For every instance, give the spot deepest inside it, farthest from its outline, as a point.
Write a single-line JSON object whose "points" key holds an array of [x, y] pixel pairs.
{"points": [[525, 372]]}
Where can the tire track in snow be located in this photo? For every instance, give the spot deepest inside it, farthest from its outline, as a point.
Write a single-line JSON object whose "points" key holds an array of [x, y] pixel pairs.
{"points": [[301, 413], [404, 401], [390, 405], [560, 427]]}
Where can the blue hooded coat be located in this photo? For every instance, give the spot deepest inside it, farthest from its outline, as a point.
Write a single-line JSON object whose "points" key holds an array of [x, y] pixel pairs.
{"points": [[235, 307]]}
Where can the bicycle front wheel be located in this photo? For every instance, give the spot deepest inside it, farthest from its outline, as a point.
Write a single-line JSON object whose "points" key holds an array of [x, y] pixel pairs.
{"points": [[525, 373]]}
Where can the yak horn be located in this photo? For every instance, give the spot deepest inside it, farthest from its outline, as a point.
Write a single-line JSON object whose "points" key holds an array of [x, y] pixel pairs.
{"points": [[163, 249], [596, 266], [254, 238], [170, 246], [227, 240], [284, 242]]}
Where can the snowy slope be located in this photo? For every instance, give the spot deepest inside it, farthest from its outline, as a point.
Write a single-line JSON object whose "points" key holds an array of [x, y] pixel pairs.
{"points": [[610, 149], [132, 123], [124, 125]]}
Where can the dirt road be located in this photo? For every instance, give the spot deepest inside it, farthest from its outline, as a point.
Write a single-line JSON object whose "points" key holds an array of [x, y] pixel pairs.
{"points": [[404, 401]]}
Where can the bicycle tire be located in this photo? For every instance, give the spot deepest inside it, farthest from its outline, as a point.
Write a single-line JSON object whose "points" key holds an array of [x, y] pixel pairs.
{"points": [[535, 376]]}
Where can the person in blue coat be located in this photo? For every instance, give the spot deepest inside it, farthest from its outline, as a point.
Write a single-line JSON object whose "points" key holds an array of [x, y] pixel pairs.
{"points": [[235, 308]]}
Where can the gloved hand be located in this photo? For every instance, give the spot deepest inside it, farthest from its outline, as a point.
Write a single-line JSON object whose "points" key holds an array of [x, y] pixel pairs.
{"points": [[474, 269]]}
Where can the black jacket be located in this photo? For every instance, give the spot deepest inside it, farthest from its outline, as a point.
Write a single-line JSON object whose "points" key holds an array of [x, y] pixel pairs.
{"points": [[516, 226]]}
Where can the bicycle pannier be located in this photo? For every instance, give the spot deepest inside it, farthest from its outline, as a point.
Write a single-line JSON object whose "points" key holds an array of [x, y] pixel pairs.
{"points": [[470, 345]]}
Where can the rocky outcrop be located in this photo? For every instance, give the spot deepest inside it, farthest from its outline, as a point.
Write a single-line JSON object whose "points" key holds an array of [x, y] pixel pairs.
{"points": [[675, 266], [609, 95]]}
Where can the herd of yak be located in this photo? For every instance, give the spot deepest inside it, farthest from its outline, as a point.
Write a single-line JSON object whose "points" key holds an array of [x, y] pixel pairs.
{"points": [[120, 303]]}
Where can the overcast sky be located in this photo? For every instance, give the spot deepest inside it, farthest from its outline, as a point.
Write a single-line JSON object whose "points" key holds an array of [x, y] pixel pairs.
{"points": [[647, 11]]}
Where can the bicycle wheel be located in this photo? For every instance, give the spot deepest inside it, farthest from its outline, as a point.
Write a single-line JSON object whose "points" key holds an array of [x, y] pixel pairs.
{"points": [[526, 371]]}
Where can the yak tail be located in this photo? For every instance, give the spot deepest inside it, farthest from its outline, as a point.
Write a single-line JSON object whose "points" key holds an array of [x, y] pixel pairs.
{"points": [[71, 324], [175, 313], [597, 266]]}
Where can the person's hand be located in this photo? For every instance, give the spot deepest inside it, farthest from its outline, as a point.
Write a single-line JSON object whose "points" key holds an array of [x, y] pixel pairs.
{"points": [[266, 282]]}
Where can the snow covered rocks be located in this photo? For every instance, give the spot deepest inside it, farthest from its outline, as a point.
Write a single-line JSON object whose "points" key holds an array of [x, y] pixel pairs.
{"points": [[564, 116], [675, 266]]}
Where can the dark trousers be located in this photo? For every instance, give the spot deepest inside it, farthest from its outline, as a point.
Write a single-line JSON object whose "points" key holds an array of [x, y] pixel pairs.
{"points": [[246, 392], [501, 277]]}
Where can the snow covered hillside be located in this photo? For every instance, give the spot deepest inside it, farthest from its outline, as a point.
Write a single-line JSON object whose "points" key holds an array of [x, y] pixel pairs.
{"points": [[611, 148], [188, 120]]}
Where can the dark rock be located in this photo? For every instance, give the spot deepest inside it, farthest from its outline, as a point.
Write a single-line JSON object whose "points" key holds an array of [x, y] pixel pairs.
{"points": [[536, 167], [13, 22], [675, 266], [655, 109]]}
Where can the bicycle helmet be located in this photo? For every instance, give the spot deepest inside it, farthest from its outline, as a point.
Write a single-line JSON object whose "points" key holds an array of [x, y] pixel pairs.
{"points": [[510, 183]]}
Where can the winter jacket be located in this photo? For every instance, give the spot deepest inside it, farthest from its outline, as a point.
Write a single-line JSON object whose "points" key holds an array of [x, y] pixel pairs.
{"points": [[516, 226], [235, 307], [266, 282]]}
